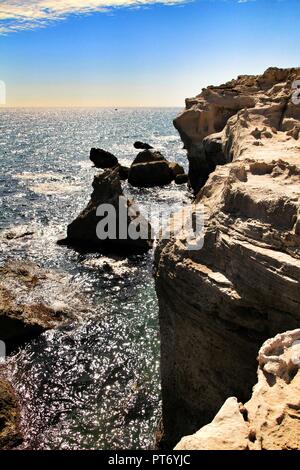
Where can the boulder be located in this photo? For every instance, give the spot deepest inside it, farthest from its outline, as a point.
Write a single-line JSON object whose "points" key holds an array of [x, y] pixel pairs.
{"points": [[176, 169], [142, 145], [182, 178], [146, 175], [123, 172], [103, 159], [10, 434], [221, 299], [33, 300], [263, 105], [83, 231], [270, 419], [148, 156]]}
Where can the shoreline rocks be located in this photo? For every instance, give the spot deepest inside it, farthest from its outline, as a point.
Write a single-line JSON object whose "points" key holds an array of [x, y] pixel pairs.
{"points": [[33, 300], [150, 168], [270, 419], [10, 433], [219, 303], [82, 232], [103, 159], [142, 145]]}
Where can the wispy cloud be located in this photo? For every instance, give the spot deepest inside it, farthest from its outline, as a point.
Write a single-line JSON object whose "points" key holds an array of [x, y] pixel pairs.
{"points": [[17, 15]]}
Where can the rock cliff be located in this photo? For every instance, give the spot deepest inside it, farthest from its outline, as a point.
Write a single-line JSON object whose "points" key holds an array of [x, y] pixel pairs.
{"points": [[219, 303], [271, 418], [246, 115]]}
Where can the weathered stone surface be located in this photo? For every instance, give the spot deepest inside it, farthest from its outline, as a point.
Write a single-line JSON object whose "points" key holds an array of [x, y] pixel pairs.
{"points": [[142, 145], [176, 169], [227, 431], [33, 300], [256, 110], [182, 178], [270, 420], [10, 434], [148, 156], [123, 172], [82, 232], [219, 303], [103, 159], [147, 175]]}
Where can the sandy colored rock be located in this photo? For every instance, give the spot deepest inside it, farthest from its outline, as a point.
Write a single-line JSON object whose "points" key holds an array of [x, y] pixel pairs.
{"points": [[33, 300], [270, 420], [220, 302]]}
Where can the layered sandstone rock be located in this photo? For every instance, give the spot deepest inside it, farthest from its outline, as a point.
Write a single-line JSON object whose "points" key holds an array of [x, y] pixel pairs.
{"points": [[219, 302], [251, 111], [270, 420], [10, 434]]}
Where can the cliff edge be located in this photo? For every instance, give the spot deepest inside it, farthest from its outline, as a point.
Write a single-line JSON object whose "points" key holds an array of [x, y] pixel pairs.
{"points": [[218, 304]]}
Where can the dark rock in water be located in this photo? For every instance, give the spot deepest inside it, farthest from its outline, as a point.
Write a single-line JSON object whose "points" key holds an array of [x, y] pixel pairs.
{"points": [[182, 178], [103, 159], [150, 168], [33, 300], [123, 172], [148, 156], [84, 230], [10, 434], [142, 145], [176, 169], [147, 175]]}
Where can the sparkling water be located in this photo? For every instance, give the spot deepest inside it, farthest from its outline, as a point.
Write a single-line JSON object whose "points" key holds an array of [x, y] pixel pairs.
{"points": [[93, 384]]}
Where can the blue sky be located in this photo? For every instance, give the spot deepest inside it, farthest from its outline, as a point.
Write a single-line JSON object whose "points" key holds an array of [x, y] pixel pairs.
{"points": [[153, 55]]}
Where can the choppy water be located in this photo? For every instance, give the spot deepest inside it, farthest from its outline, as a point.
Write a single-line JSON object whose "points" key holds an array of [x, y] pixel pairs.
{"points": [[93, 385]]}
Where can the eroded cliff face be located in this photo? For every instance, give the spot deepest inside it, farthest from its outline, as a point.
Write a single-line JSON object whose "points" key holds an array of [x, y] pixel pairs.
{"points": [[271, 418], [248, 111], [219, 303]]}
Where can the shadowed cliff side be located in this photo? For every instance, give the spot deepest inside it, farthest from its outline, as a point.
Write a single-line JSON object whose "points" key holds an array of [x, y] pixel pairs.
{"points": [[271, 418], [219, 303]]}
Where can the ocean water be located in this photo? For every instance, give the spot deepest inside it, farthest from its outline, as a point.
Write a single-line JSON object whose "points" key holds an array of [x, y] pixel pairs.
{"points": [[95, 383]]}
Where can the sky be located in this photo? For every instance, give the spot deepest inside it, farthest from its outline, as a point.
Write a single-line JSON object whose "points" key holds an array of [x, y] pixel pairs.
{"points": [[138, 52]]}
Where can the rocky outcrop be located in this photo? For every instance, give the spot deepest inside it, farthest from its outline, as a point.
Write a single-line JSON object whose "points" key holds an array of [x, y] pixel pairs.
{"points": [[103, 159], [147, 175], [10, 434], [248, 111], [33, 300], [123, 215], [220, 301], [181, 178], [270, 420], [150, 168]]}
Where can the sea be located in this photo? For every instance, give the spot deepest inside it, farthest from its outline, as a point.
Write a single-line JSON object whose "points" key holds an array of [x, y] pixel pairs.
{"points": [[94, 384]]}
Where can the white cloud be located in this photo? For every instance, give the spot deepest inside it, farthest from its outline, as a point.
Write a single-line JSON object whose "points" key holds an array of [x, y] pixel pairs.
{"points": [[16, 15]]}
